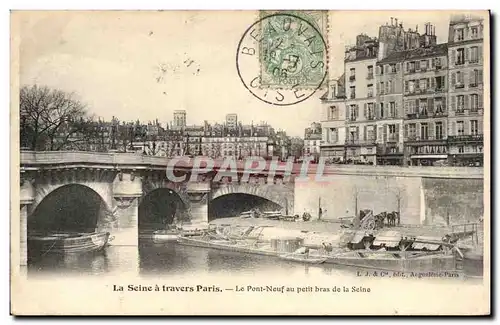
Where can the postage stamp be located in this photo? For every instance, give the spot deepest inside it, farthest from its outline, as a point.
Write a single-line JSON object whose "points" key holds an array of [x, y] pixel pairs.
{"points": [[282, 58], [286, 57]]}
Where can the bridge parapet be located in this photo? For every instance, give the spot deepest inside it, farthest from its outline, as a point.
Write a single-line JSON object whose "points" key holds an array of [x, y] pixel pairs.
{"points": [[54, 159]]}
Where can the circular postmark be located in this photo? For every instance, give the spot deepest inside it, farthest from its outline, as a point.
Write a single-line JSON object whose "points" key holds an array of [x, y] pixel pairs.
{"points": [[282, 59]]}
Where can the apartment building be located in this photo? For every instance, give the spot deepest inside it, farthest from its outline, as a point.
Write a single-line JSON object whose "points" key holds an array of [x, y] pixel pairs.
{"points": [[312, 141], [359, 63], [466, 90], [389, 110], [333, 121], [425, 102]]}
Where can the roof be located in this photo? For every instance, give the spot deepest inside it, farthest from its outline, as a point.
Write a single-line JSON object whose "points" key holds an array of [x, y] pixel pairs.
{"points": [[421, 52], [325, 95], [394, 57]]}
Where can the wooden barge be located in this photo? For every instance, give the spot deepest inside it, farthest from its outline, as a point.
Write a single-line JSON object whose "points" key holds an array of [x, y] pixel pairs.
{"points": [[385, 251], [67, 243]]}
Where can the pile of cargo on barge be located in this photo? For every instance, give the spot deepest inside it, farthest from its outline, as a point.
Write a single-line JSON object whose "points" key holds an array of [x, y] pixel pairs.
{"points": [[383, 249]]}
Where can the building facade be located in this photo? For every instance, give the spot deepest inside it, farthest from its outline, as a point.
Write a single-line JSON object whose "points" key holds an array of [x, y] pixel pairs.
{"points": [[333, 121], [466, 91], [360, 84], [312, 141], [425, 102], [389, 110]]}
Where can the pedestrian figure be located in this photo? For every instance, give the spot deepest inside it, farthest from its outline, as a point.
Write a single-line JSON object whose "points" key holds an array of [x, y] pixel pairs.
{"points": [[320, 213]]}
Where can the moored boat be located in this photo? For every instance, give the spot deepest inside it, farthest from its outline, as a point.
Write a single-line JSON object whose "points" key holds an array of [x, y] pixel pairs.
{"points": [[395, 260], [164, 236], [303, 258], [67, 243]]}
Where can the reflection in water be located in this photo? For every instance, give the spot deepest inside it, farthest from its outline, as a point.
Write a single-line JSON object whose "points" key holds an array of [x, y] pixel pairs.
{"points": [[156, 259]]}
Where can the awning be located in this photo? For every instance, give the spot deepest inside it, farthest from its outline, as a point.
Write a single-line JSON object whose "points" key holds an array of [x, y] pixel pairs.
{"points": [[358, 237], [389, 238], [429, 157], [431, 245]]}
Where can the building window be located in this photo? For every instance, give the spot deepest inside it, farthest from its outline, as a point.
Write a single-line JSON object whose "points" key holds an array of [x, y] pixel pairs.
{"points": [[473, 127], [460, 59], [461, 149], [423, 106], [412, 131], [474, 102], [370, 112], [352, 75], [460, 103], [370, 72], [424, 131], [393, 67], [370, 130], [392, 132], [437, 63], [334, 135], [459, 34], [353, 112], [411, 86], [474, 81], [334, 114], [353, 92], [459, 82], [412, 108], [370, 90], [439, 130], [460, 128], [390, 87], [381, 110], [392, 109], [423, 84], [474, 54], [438, 106], [474, 32], [423, 65], [440, 83], [382, 85], [411, 66]]}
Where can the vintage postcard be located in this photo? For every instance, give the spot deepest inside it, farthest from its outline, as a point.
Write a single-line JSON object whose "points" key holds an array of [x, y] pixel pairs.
{"points": [[276, 162]]}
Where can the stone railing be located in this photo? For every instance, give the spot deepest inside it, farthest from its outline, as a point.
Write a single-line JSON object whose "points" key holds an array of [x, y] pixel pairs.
{"points": [[126, 160]]}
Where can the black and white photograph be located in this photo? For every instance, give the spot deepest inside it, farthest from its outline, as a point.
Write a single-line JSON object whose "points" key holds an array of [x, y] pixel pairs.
{"points": [[272, 162]]}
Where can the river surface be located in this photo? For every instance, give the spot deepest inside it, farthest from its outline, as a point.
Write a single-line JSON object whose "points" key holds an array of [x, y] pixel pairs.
{"points": [[173, 259]]}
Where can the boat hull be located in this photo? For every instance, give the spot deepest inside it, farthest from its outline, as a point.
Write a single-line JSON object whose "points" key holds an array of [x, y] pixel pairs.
{"points": [[223, 245], [303, 259], [67, 243], [420, 264]]}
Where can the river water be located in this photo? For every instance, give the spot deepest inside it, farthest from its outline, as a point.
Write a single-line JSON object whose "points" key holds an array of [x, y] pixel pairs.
{"points": [[173, 259]]}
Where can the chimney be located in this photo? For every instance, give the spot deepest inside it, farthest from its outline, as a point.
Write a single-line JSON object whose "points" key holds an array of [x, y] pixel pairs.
{"points": [[396, 20], [416, 28], [392, 21]]}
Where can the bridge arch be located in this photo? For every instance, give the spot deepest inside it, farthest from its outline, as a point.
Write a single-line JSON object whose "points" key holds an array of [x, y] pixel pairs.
{"points": [[69, 208], [160, 207], [43, 189], [233, 204], [271, 193]]}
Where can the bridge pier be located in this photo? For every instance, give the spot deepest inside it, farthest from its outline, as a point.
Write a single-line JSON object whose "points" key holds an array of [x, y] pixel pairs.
{"points": [[198, 194], [127, 188], [27, 196]]}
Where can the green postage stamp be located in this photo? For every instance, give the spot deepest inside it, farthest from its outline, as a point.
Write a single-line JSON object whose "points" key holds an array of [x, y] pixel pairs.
{"points": [[293, 48]]}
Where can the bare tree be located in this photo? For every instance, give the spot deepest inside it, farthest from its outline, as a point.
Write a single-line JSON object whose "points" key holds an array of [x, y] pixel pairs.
{"points": [[49, 117]]}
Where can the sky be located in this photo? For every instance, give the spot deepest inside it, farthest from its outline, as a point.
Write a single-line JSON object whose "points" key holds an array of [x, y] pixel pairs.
{"points": [[146, 64]]}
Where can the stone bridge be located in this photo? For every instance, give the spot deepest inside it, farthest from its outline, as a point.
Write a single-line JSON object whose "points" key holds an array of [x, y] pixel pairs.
{"points": [[86, 191]]}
